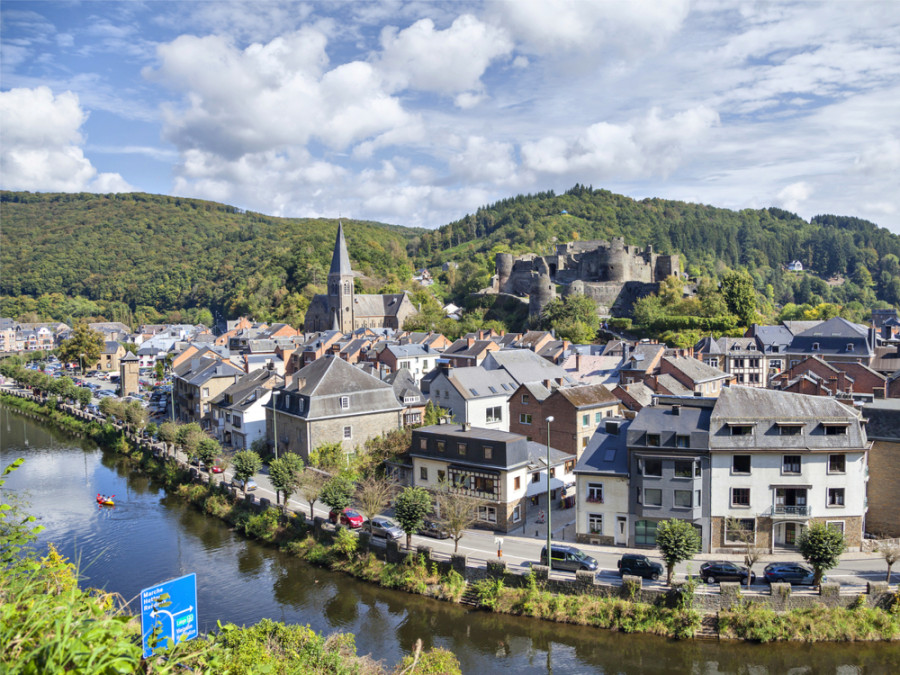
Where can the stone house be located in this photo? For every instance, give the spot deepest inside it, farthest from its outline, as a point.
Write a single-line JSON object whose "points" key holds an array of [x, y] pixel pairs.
{"points": [[497, 467], [331, 401], [109, 357], [835, 340], [699, 378], [197, 382], [883, 430], [740, 357]]}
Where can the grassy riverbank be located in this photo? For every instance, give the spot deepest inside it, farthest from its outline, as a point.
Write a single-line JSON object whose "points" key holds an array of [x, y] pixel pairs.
{"points": [[749, 621]]}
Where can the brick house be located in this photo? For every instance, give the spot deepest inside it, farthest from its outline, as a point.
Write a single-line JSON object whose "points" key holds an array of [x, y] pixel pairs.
{"points": [[497, 467], [696, 376]]}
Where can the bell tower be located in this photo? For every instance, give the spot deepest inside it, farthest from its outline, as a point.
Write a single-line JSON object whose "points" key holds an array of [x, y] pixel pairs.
{"points": [[340, 285]]}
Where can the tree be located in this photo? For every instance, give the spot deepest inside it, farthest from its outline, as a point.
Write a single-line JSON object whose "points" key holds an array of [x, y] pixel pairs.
{"points": [[310, 484], [135, 416], [821, 546], [574, 318], [890, 551], [740, 296], [327, 456], [159, 369], [246, 463], [85, 346], [434, 413], [337, 493], [373, 494], [84, 396], [738, 531], [456, 511], [284, 473], [168, 434], [208, 450], [189, 437], [410, 508], [677, 541]]}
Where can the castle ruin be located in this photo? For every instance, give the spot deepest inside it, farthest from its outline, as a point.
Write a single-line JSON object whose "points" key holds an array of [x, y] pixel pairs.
{"points": [[612, 274]]}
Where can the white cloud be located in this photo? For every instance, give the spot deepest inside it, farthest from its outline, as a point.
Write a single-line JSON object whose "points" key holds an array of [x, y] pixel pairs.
{"points": [[484, 160], [793, 196], [444, 61], [882, 158], [41, 144]]}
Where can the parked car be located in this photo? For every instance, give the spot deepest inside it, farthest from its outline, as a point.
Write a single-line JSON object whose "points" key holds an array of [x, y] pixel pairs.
{"points": [[639, 565], [431, 528], [239, 484], [348, 518], [568, 558], [721, 570], [792, 573], [384, 527], [217, 469]]}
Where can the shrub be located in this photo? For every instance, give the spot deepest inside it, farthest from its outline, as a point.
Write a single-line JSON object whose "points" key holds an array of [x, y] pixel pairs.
{"points": [[345, 543]]}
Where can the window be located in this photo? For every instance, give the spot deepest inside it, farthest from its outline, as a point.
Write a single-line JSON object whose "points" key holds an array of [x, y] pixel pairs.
{"points": [[423, 444], [525, 398], [740, 531], [697, 499], [493, 415], [645, 533], [205, 392], [345, 402], [740, 497], [835, 429], [653, 440], [849, 346], [584, 441], [552, 472], [488, 452], [837, 464], [835, 496], [598, 417], [348, 432], [652, 497], [487, 514], [442, 476], [535, 477], [423, 473], [684, 468], [441, 446], [741, 429], [595, 523], [683, 499], [740, 464], [815, 346], [790, 464], [775, 364], [461, 448], [595, 493], [585, 420], [517, 483], [836, 524], [652, 467], [790, 429], [517, 513], [236, 421], [683, 441], [524, 418]]}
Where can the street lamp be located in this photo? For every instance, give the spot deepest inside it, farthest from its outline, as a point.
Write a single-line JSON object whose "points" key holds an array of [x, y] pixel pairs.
{"points": [[275, 422], [549, 503]]}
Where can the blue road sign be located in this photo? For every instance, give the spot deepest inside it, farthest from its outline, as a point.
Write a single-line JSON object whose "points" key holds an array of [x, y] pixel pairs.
{"points": [[171, 605]]}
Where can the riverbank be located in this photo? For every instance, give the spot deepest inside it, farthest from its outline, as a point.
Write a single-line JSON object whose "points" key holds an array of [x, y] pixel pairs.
{"points": [[669, 613]]}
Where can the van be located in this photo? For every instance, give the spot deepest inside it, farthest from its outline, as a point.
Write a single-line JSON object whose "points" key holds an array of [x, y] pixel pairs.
{"points": [[639, 565], [568, 558]]}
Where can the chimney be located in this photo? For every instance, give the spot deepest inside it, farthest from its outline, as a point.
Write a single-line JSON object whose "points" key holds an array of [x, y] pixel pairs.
{"points": [[470, 342], [578, 362], [676, 410], [547, 383], [612, 427], [466, 426]]}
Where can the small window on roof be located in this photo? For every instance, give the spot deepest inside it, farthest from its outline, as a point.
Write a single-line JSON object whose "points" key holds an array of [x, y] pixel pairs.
{"points": [[474, 393], [505, 386], [815, 346], [493, 391], [849, 346]]}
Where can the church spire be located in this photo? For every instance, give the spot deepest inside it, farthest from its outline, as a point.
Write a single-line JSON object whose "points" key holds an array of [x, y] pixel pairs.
{"points": [[340, 260]]}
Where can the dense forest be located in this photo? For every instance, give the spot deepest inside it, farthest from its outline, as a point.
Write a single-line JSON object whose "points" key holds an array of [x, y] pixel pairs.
{"points": [[138, 257]]}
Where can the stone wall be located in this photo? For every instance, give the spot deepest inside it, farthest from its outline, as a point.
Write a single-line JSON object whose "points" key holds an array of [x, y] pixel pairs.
{"points": [[883, 518]]}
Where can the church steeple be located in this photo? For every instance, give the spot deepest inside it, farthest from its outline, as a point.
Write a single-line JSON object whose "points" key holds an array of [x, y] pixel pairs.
{"points": [[340, 284]]}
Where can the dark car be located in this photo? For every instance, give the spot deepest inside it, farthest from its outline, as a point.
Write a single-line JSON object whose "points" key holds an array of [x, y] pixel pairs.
{"points": [[640, 566], [568, 558], [431, 528], [721, 570], [792, 573]]}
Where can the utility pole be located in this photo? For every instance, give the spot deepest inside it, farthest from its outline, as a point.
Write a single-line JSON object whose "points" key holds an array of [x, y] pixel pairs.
{"points": [[549, 502]]}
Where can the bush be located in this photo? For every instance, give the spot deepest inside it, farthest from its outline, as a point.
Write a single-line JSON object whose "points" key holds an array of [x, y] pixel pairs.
{"points": [[345, 543]]}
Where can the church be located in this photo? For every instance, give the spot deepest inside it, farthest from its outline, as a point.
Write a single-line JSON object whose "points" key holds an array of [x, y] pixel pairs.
{"points": [[341, 309]]}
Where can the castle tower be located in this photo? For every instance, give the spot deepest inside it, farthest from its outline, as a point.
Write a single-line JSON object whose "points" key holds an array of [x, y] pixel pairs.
{"points": [[340, 284], [543, 290], [504, 263], [129, 369]]}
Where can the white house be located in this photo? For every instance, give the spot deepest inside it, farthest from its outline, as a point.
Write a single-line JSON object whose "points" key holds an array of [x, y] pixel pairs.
{"points": [[474, 395], [239, 412]]}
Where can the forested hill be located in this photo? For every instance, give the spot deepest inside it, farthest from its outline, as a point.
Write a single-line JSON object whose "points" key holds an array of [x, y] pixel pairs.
{"points": [[709, 239], [157, 252]]}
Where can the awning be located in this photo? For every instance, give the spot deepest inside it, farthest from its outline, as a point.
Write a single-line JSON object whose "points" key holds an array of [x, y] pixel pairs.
{"points": [[540, 487]]}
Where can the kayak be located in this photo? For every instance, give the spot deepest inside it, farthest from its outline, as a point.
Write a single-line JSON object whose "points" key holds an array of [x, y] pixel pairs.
{"points": [[105, 501]]}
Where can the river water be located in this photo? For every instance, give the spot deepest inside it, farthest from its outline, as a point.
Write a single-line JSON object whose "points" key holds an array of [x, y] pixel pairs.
{"points": [[149, 537]]}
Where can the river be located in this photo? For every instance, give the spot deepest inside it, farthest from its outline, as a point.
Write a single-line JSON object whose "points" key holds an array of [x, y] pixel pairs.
{"points": [[149, 537]]}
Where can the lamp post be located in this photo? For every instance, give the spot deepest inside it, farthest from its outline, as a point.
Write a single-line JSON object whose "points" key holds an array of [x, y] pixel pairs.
{"points": [[549, 503], [275, 422]]}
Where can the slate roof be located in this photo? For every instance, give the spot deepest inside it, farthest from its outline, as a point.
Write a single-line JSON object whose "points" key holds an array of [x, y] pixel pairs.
{"points": [[206, 369], [478, 382], [587, 395], [696, 370], [752, 403], [887, 359], [411, 350], [595, 369], [340, 259], [639, 391], [110, 347], [655, 418], [672, 385], [377, 305], [524, 365], [797, 327], [832, 337], [606, 453], [884, 420], [537, 390], [772, 339], [404, 385], [245, 392]]}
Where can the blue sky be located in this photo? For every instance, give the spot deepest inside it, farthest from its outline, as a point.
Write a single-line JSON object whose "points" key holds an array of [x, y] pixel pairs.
{"points": [[420, 112]]}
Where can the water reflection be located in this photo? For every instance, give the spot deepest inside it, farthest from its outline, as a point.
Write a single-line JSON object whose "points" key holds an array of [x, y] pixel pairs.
{"points": [[149, 537]]}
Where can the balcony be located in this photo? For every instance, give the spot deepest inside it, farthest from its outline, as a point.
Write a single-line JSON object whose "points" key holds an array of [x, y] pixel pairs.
{"points": [[781, 511]]}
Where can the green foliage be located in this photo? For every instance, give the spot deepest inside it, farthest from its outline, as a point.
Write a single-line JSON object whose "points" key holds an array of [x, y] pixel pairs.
{"points": [[337, 493], [189, 437], [737, 289], [345, 543], [84, 347], [328, 456], [433, 413], [677, 541], [574, 318], [410, 509], [246, 463], [208, 450], [821, 546], [284, 473]]}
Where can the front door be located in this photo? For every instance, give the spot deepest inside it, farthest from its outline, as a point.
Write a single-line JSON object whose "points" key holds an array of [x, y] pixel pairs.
{"points": [[621, 530]]}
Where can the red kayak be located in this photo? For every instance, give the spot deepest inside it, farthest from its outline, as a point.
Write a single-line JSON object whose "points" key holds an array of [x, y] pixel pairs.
{"points": [[105, 501]]}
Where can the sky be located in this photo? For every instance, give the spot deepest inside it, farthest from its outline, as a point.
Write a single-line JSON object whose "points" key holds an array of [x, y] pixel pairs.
{"points": [[417, 113]]}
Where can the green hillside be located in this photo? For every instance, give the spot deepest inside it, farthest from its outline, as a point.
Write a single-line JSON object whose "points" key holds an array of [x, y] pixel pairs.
{"points": [[139, 256]]}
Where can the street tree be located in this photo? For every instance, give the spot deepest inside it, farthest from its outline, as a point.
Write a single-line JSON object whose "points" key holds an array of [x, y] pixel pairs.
{"points": [[337, 493], [135, 416], [821, 546], [738, 531], [373, 494], [83, 394], [677, 541], [327, 456], [246, 463], [84, 346], [159, 369], [168, 434], [410, 508], [208, 450], [284, 473], [310, 484], [456, 511], [890, 551], [189, 437]]}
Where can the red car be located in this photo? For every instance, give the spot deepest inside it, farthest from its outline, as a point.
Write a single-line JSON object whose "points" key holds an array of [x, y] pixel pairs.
{"points": [[349, 518], [217, 469]]}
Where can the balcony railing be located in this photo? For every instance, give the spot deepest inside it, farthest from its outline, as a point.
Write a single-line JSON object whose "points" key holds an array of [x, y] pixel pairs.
{"points": [[782, 511]]}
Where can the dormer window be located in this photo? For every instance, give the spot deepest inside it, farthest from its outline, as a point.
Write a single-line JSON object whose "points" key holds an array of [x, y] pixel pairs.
{"points": [[741, 429], [815, 346], [345, 402], [849, 346]]}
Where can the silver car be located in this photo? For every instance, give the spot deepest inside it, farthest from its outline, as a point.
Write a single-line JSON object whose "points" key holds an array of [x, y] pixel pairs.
{"points": [[383, 527]]}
